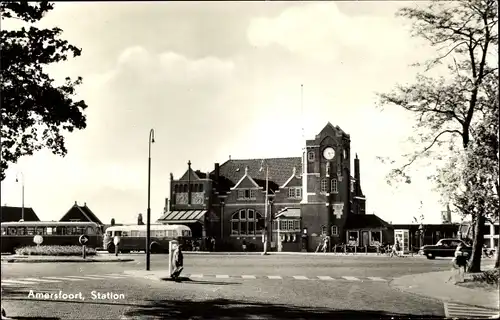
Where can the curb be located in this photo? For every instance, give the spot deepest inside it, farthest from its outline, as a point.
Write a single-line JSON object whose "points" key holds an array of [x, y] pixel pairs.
{"points": [[28, 260], [329, 254], [415, 284]]}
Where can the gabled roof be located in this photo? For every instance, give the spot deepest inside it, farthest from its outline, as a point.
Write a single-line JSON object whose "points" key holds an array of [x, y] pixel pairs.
{"points": [[14, 214], [84, 211], [246, 181], [194, 176], [294, 180], [280, 170], [362, 221]]}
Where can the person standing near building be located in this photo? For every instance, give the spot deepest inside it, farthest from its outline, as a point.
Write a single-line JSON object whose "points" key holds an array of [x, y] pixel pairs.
{"points": [[116, 241], [213, 243], [178, 262]]}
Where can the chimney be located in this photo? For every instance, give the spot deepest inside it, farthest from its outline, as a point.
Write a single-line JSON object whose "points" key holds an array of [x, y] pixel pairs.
{"points": [[85, 204], [229, 157], [167, 208], [76, 203], [357, 183], [113, 222], [139, 220]]}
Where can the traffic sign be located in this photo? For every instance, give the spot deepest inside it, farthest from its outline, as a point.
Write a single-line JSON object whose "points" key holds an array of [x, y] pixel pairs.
{"points": [[38, 239], [83, 239]]}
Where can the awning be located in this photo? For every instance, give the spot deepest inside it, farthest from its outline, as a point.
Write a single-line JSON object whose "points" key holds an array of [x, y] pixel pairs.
{"points": [[289, 213], [183, 216]]}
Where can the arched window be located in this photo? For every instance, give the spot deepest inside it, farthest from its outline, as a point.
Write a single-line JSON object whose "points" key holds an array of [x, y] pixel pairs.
{"points": [[176, 188], [310, 156], [246, 222], [323, 230], [335, 231], [200, 188], [185, 188], [334, 186], [323, 185]]}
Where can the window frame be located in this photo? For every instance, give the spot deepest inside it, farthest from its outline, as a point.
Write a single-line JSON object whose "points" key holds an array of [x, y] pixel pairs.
{"points": [[311, 156], [334, 188], [336, 228], [324, 185]]}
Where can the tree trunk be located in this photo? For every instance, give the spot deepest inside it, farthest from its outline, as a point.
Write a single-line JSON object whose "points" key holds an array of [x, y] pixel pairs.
{"points": [[477, 246], [497, 262]]}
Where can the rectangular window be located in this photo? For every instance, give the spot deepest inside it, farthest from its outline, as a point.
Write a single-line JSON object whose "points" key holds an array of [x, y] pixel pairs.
{"points": [[260, 224], [247, 194], [251, 227], [235, 228], [291, 192], [21, 231], [283, 224], [40, 230], [252, 194], [296, 225], [251, 214], [496, 230], [323, 185], [30, 231], [134, 234], [125, 234], [298, 192], [335, 231], [290, 225], [142, 233], [243, 214], [352, 238], [241, 194], [334, 187], [12, 231]]}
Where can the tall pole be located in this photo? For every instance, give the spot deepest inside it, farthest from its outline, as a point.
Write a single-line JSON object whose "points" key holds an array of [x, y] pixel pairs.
{"points": [[266, 224], [148, 227], [329, 203], [22, 194]]}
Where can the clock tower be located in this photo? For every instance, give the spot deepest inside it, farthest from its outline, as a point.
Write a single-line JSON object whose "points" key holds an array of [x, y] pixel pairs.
{"points": [[326, 184]]}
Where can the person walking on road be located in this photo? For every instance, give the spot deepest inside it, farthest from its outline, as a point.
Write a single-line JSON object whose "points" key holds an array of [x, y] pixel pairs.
{"points": [[178, 262], [116, 241], [325, 245], [395, 249]]}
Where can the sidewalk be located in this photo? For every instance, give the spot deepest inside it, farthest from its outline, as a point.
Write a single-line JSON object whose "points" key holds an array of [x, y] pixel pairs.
{"points": [[332, 254], [435, 285], [53, 259]]}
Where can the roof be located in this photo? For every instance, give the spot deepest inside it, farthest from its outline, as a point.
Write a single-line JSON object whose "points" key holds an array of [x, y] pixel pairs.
{"points": [[15, 213], [85, 211], [280, 170], [362, 221], [183, 216]]}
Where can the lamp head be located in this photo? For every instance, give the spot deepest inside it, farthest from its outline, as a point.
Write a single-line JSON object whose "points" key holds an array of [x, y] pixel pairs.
{"points": [[17, 180], [153, 140]]}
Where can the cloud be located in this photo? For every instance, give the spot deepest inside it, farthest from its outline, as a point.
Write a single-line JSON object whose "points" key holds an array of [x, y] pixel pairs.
{"points": [[321, 31]]}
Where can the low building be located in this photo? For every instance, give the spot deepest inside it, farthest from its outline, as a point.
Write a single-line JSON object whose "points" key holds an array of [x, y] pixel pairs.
{"points": [[308, 198], [491, 233], [15, 214], [427, 234], [80, 213]]}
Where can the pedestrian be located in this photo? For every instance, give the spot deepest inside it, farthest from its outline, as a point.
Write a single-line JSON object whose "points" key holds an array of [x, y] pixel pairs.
{"points": [[116, 241], [244, 246], [395, 249], [178, 262], [213, 243], [459, 261], [325, 245]]}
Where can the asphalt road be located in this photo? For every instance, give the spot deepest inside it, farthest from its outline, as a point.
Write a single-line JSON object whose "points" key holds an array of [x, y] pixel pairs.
{"points": [[306, 286]]}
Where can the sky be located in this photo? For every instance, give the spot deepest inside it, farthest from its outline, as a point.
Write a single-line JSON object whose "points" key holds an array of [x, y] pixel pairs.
{"points": [[218, 80]]}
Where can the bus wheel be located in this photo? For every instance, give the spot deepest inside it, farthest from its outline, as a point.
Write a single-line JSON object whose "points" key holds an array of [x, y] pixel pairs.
{"points": [[111, 248]]}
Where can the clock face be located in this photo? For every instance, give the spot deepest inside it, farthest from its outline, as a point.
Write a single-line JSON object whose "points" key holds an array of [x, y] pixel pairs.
{"points": [[329, 153]]}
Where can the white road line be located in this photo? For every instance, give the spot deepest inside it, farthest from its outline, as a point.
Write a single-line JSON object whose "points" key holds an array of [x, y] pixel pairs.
{"points": [[300, 278], [39, 280], [351, 278], [119, 275], [455, 310], [196, 276], [222, 276], [274, 277], [325, 278], [248, 277], [64, 279], [376, 279], [17, 282], [85, 277], [102, 276]]}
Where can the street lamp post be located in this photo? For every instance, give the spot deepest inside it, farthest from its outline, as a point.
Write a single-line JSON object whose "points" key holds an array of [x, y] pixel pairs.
{"points": [[22, 194], [148, 227], [266, 224]]}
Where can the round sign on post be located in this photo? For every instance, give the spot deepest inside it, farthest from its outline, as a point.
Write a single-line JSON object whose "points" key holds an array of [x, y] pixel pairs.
{"points": [[83, 239], [38, 239]]}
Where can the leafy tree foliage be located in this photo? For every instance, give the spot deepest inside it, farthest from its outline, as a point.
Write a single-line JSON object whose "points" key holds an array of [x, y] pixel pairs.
{"points": [[457, 106], [35, 111]]}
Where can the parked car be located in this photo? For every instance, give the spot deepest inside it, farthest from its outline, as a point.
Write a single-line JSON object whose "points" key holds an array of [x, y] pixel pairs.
{"points": [[445, 248]]}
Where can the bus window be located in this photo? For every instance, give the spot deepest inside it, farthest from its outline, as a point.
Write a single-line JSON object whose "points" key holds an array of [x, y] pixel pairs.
{"points": [[108, 233], [174, 233], [21, 231], [12, 231], [30, 231], [60, 231], [40, 230], [185, 233], [118, 233], [169, 233], [47, 230], [160, 233], [124, 233], [142, 233], [90, 230], [3, 231], [134, 233]]}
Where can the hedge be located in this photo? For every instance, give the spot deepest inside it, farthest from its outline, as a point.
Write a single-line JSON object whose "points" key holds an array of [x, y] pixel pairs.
{"points": [[54, 251], [490, 276]]}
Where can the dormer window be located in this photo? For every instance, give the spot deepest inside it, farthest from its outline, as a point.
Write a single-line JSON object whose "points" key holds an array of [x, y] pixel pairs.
{"points": [[246, 194], [310, 156], [295, 193]]}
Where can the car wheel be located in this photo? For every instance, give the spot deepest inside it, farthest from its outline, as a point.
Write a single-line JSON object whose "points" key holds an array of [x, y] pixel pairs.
{"points": [[111, 248], [430, 256]]}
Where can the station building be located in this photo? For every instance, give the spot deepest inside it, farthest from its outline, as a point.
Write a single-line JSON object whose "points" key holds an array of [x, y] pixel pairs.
{"points": [[309, 197]]}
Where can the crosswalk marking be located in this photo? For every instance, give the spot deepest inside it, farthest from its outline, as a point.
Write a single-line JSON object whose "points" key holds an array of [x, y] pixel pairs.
{"points": [[64, 279], [274, 277], [17, 282], [222, 276], [456, 310], [85, 277], [196, 276], [39, 280], [104, 276], [248, 277], [325, 278], [300, 278], [376, 279], [351, 278]]}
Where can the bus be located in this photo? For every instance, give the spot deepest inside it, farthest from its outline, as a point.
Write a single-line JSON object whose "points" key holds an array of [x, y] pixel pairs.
{"points": [[133, 237], [20, 234]]}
